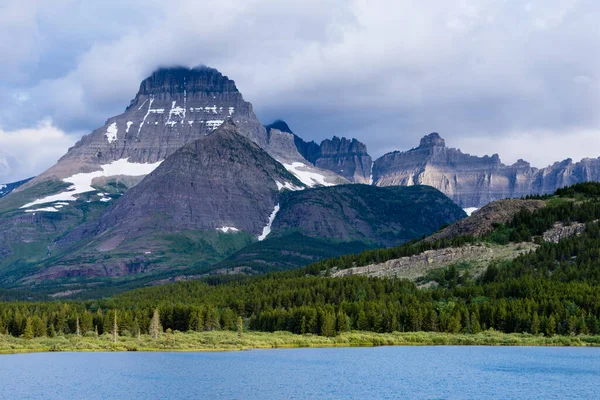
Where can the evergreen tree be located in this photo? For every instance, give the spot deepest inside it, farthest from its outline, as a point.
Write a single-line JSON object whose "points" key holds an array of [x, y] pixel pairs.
{"points": [[155, 328], [535, 324], [328, 325], [28, 333], [115, 331], [240, 327], [551, 326]]}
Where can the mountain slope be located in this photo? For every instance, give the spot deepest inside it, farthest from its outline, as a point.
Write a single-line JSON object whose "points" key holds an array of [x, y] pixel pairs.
{"points": [[473, 181], [383, 216], [328, 222]]}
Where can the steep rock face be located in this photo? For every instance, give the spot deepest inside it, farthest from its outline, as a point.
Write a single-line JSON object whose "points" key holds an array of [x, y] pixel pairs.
{"points": [[348, 158], [219, 181], [173, 107], [344, 157], [383, 216], [473, 181]]}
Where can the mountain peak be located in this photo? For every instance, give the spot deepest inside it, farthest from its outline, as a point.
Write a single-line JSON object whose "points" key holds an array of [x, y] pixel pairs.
{"points": [[280, 125], [432, 140], [199, 79]]}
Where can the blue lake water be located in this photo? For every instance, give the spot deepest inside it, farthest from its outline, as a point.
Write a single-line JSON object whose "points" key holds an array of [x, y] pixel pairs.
{"points": [[336, 373]]}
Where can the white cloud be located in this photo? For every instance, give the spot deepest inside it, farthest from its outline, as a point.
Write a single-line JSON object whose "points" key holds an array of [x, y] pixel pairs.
{"points": [[384, 71], [27, 152]]}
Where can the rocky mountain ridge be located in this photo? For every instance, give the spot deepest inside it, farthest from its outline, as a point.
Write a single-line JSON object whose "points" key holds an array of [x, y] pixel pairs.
{"points": [[7, 188], [473, 181]]}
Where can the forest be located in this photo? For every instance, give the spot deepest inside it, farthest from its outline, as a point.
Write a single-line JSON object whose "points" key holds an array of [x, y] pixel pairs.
{"points": [[554, 290]]}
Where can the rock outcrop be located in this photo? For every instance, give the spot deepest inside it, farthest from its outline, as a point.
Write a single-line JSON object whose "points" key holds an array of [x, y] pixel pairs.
{"points": [[473, 181], [562, 231], [348, 158], [416, 266]]}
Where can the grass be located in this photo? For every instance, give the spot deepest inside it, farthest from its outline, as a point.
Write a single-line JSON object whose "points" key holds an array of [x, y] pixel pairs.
{"points": [[227, 341]]}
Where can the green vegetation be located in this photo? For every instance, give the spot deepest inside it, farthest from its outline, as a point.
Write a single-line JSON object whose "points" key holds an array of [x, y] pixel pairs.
{"points": [[227, 341]]}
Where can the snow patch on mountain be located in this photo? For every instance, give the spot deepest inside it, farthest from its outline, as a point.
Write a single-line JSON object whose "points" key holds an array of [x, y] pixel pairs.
{"points": [[267, 229], [307, 175], [214, 124], [470, 210], [287, 185], [46, 209], [226, 229], [82, 182], [111, 132]]}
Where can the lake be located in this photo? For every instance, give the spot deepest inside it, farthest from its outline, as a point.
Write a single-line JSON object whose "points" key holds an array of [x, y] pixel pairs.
{"points": [[330, 373]]}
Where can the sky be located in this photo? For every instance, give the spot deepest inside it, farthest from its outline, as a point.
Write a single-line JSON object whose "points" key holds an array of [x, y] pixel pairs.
{"points": [[513, 77]]}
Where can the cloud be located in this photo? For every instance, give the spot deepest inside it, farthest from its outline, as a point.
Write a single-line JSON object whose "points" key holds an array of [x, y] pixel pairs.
{"points": [[26, 152], [386, 72]]}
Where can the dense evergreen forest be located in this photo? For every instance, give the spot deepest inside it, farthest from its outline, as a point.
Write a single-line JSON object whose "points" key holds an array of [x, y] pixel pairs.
{"points": [[554, 290]]}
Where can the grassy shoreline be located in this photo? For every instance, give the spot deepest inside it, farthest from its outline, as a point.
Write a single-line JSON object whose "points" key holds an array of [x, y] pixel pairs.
{"points": [[229, 341]]}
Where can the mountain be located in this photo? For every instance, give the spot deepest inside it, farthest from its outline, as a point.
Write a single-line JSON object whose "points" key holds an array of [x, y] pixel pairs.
{"points": [[382, 216], [222, 188], [173, 107], [345, 157], [473, 181], [7, 188]]}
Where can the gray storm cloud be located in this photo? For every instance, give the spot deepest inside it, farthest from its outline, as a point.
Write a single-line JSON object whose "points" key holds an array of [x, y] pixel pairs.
{"points": [[516, 78]]}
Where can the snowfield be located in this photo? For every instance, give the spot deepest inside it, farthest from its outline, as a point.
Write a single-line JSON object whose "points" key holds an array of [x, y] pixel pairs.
{"points": [[307, 175], [82, 183]]}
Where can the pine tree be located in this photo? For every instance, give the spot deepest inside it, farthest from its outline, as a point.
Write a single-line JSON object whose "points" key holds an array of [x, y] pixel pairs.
{"points": [[328, 325], [155, 328], [475, 326], [170, 340], [303, 325], [28, 332], [240, 327], [115, 328], [551, 326], [535, 324]]}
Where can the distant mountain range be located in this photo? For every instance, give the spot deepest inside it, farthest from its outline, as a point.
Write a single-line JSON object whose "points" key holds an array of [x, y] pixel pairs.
{"points": [[473, 181]]}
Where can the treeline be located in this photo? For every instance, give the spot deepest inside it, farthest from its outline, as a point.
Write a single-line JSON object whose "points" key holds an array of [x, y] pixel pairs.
{"points": [[552, 291]]}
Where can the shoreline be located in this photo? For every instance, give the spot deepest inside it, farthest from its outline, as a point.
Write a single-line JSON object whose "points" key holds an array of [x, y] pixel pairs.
{"points": [[222, 341]]}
